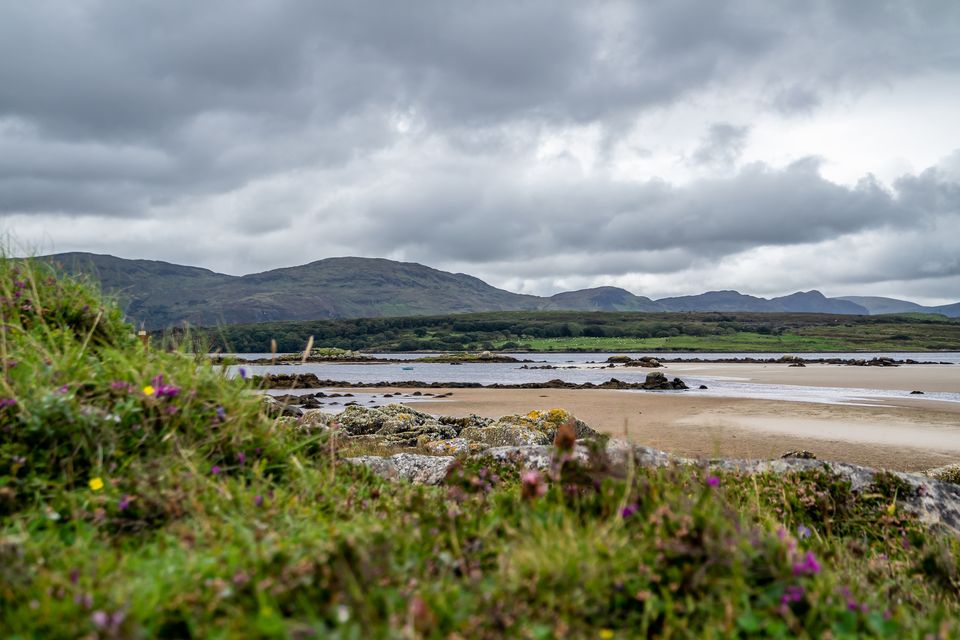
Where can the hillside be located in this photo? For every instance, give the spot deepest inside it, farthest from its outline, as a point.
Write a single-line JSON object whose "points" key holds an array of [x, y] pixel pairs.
{"points": [[159, 294]]}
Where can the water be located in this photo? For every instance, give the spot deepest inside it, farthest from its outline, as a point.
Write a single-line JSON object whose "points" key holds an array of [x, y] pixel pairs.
{"points": [[587, 367]]}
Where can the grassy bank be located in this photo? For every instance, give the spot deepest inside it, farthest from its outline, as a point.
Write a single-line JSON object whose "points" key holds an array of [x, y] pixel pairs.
{"points": [[142, 494]]}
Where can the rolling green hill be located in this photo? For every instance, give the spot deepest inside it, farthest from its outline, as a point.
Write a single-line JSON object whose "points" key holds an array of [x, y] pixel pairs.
{"points": [[159, 294]]}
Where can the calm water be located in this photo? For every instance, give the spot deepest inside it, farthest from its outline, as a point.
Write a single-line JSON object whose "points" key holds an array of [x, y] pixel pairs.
{"points": [[582, 367]]}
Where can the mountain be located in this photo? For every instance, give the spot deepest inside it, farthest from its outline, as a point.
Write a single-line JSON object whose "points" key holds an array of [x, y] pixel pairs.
{"points": [[600, 299], [877, 305], [816, 302], [717, 301], [159, 294]]}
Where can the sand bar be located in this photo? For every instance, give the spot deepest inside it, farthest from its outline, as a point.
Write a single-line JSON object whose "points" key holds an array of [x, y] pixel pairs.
{"points": [[928, 377]]}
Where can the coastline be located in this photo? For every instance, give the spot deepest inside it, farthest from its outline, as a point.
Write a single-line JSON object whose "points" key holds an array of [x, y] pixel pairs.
{"points": [[901, 437]]}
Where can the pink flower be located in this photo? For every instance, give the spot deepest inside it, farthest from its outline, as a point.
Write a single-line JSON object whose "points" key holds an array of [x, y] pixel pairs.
{"points": [[713, 481], [809, 565], [532, 484], [215, 469]]}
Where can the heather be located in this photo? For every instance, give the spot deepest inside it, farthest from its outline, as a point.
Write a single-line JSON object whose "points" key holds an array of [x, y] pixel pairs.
{"points": [[143, 493]]}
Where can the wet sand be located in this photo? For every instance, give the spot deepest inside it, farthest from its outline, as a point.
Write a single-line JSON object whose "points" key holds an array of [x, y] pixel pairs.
{"points": [[911, 436], [925, 377]]}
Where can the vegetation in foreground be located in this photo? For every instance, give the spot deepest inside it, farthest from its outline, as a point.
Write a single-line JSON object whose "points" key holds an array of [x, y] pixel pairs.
{"points": [[143, 494], [582, 331]]}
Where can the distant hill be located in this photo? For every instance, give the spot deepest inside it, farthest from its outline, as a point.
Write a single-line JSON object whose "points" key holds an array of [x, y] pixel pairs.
{"points": [[159, 294], [877, 305], [600, 299]]}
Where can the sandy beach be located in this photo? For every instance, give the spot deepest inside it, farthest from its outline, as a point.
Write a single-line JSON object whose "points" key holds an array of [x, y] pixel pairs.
{"points": [[907, 434]]}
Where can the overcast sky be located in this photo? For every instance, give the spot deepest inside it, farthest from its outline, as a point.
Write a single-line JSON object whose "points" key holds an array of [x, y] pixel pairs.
{"points": [[668, 147]]}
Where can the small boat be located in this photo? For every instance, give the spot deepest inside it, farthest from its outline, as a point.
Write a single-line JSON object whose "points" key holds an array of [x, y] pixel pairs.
{"points": [[407, 368]]}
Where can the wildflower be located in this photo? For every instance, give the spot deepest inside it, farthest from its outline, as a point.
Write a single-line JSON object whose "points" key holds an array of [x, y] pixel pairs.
{"points": [[809, 565], [7, 402], [258, 501], [215, 470], [532, 484], [803, 532], [96, 484], [793, 593], [119, 385], [221, 413], [713, 481], [242, 372], [167, 391], [124, 503], [606, 634], [628, 511], [241, 457], [63, 389], [149, 390], [566, 437], [74, 576], [892, 508]]}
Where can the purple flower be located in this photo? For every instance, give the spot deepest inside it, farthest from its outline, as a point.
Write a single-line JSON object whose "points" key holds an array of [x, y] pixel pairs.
{"points": [[167, 391], [171, 410], [258, 501], [628, 511], [64, 389], [243, 373], [803, 532], [713, 481], [532, 484], [215, 469], [120, 385], [793, 593], [241, 457], [74, 576], [157, 380], [7, 402], [809, 565], [221, 413], [124, 503]]}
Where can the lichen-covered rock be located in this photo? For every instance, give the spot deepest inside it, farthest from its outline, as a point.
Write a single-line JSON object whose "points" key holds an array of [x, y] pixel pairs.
{"points": [[502, 434], [316, 420], [451, 447], [411, 467], [948, 473], [473, 420], [276, 409]]}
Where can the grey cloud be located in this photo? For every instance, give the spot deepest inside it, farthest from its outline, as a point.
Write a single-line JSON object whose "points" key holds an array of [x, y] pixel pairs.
{"points": [[722, 145]]}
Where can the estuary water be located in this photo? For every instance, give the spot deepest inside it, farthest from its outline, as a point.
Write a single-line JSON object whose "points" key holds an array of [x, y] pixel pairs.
{"points": [[590, 367]]}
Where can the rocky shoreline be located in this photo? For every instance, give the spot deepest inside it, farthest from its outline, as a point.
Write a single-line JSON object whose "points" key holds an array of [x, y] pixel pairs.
{"points": [[654, 382], [542, 440]]}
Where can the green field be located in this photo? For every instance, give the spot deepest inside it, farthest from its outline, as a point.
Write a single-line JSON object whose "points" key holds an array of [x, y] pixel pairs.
{"points": [[730, 343]]}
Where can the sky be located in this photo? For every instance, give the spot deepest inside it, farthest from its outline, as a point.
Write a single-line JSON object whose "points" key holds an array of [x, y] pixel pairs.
{"points": [[668, 147]]}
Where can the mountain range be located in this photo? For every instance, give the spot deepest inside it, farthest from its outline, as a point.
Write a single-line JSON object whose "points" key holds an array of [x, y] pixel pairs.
{"points": [[159, 294]]}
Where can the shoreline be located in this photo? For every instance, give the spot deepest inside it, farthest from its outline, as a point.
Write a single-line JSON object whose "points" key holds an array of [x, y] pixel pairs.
{"points": [[902, 437]]}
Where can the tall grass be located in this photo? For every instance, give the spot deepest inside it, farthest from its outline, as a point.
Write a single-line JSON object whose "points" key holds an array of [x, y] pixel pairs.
{"points": [[144, 494]]}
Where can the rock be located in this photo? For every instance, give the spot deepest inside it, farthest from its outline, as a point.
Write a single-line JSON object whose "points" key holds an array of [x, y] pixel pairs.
{"points": [[657, 380], [411, 467], [452, 447], [801, 454], [797, 364], [505, 434], [316, 420], [619, 359], [703, 386], [916, 393], [948, 473], [276, 409], [473, 420], [394, 424]]}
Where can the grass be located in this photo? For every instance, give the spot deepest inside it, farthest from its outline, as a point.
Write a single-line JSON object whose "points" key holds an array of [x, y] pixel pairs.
{"points": [[133, 506], [743, 341]]}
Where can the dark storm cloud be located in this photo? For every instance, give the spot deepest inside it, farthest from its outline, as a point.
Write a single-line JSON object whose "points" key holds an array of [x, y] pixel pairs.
{"points": [[409, 128]]}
